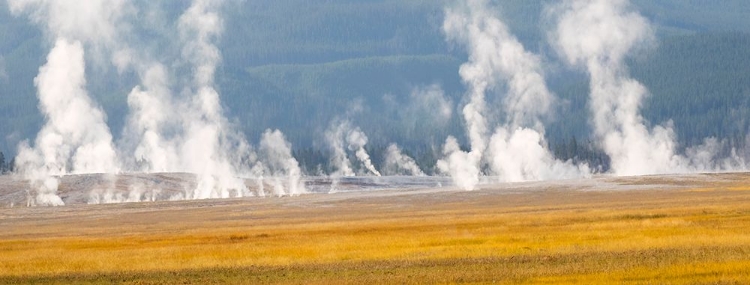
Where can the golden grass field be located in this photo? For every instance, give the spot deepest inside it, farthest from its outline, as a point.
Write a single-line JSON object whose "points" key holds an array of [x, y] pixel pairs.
{"points": [[684, 230]]}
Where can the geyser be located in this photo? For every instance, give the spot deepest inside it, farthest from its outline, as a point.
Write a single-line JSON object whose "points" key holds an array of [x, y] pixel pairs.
{"points": [[75, 137], [281, 165], [186, 132], [499, 64], [341, 136], [397, 163], [207, 144], [599, 34]]}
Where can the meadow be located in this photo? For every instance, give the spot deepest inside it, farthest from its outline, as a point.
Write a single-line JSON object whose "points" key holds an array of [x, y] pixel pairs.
{"points": [[641, 230]]}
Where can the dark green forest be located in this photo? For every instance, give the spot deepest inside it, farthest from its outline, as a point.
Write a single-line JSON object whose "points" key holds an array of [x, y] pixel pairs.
{"points": [[296, 65]]}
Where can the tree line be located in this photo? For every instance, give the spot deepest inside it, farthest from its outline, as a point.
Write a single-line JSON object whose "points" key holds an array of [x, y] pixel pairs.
{"points": [[316, 161], [6, 166]]}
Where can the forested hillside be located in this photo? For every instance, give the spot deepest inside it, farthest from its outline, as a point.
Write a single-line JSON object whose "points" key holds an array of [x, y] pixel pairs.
{"points": [[702, 83], [297, 65]]}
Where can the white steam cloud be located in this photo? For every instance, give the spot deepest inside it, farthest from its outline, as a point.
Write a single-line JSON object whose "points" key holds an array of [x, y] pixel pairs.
{"points": [[163, 133], [91, 22], [428, 107], [397, 163], [357, 141], [189, 133], [341, 136], [462, 166], [281, 163], [206, 138], [599, 35], [339, 160], [150, 114], [522, 155], [498, 63], [75, 137]]}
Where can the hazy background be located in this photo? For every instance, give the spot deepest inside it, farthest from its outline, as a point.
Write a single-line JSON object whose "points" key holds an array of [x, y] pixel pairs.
{"points": [[296, 65]]}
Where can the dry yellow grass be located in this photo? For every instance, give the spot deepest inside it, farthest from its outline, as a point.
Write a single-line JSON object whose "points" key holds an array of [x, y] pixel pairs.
{"points": [[680, 236]]}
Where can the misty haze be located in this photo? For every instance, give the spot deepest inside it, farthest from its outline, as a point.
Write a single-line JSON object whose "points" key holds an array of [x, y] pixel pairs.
{"points": [[470, 141]]}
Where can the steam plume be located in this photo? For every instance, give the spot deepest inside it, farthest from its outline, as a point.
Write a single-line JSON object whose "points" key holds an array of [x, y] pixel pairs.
{"points": [[150, 113], [75, 137], [280, 161], [341, 136], [522, 155], [428, 107], [397, 163], [196, 137], [357, 141], [517, 150], [164, 133], [335, 139], [599, 34], [189, 133], [206, 134], [462, 166]]}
